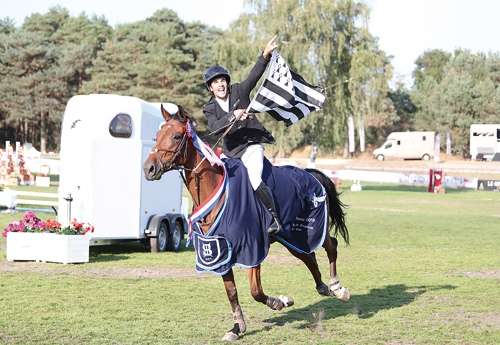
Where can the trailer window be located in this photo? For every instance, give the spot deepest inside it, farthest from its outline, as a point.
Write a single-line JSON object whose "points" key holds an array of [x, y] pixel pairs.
{"points": [[399, 142], [424, 138], [498, 133], [121, 126]]}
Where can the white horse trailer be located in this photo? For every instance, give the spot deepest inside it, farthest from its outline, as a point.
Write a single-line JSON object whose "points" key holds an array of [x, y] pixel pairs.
{"points": [[485, 141], [104, 141]]}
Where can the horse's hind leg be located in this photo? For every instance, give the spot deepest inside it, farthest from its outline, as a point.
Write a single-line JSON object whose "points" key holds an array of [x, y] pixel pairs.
{"points": [[310, 261], [334, 287], [232, 295], [258, 292]]}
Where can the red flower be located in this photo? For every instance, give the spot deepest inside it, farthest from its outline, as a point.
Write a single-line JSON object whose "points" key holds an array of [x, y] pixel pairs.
{"points": [[52, 225]]}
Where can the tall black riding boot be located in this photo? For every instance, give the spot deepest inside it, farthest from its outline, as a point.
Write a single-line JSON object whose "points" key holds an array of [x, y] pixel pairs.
{"points": [[266, 196]]}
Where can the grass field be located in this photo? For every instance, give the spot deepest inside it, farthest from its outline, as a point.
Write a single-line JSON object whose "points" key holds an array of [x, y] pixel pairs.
{"points": [[422, 269]]}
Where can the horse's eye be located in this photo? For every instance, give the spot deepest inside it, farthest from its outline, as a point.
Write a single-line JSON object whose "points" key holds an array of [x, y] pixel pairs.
{"points": [[177, 137]]}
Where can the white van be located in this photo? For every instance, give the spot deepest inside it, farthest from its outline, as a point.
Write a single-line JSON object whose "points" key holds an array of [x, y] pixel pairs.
{"points": [[105, 139], [407, 145]]}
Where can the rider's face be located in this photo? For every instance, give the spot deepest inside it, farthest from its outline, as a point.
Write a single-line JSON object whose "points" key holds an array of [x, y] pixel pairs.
{"points": [[219, 87]]}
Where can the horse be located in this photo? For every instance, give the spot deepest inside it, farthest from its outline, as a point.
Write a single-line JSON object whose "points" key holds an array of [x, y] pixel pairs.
{"points": [[177, 149]]}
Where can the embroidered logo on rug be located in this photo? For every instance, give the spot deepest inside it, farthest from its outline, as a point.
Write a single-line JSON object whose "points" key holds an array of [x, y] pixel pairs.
{"points": [[211, 252]]}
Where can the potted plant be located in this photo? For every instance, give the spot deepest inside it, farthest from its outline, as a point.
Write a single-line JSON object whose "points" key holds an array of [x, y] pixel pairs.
{"points": [[49, 241], [43, 178]]}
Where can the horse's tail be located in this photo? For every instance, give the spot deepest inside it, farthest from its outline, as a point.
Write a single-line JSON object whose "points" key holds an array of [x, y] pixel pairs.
{"points": [[336, 207]]}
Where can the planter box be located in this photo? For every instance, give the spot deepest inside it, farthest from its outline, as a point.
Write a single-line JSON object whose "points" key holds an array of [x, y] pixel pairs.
{"points": [[8, 198], [41, 181], [22, 246], [66, 249]]}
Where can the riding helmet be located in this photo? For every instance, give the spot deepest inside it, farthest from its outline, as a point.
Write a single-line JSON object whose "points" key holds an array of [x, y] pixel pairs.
{"points": [[214, 72]]}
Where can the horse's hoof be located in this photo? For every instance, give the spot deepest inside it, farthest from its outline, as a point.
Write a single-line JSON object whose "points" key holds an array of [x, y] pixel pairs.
{"points": [[230, 337], [324, 291], [342, 294], [287, 301]]}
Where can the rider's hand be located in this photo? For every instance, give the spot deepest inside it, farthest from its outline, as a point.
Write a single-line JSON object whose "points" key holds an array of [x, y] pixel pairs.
{"points": [[271, 45], [241, 114]]}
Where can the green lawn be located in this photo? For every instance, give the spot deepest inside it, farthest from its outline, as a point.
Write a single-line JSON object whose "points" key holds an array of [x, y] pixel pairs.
{"points": [[422, 269]]}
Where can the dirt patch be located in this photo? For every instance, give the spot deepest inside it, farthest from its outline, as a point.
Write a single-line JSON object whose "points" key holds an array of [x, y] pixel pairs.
{"points": [[92, 272], [483, 274], [478, 321], [383, 209]]}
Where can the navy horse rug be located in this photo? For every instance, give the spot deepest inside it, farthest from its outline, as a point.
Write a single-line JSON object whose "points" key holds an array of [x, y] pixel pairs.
{"points": [[239, 233]]}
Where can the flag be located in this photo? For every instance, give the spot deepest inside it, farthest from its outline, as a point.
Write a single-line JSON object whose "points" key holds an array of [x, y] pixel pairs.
{"points": [[361, 135], [437, 147], [350, 129], [285, 95]]}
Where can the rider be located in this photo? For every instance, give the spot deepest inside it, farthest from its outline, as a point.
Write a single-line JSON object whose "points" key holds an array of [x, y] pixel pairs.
{"points": [[244, 140]]}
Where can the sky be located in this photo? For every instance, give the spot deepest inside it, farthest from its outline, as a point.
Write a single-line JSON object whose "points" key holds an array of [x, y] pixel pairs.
{"points": [[405, 28]]}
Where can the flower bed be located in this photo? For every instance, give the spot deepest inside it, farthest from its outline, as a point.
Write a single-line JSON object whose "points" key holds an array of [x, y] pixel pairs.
{"points": [[49, 241]]}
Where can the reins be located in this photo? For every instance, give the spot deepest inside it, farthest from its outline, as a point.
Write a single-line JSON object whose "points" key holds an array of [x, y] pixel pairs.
{"points": [[229, 125], [172, 164]]}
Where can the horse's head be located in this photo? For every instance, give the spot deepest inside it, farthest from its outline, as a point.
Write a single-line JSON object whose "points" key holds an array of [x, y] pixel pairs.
{"points": [[170, 152]]}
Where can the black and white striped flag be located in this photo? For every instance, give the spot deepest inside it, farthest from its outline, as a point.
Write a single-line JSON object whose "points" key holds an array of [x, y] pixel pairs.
{"points": [[285, 95]]}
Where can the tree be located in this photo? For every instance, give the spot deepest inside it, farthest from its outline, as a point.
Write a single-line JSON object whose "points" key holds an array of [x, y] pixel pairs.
{"points": [[324, 41], [45, 63], [468, 93], [47, 24], [431, 63], [160, 59], [7, 25], [32, 86]]}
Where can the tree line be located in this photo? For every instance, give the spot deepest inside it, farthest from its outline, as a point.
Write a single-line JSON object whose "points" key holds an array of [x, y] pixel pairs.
{"points": [[54, 56]]}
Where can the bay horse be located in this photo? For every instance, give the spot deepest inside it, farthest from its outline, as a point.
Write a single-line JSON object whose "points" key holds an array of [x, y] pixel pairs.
{"points": [[176, 149]]}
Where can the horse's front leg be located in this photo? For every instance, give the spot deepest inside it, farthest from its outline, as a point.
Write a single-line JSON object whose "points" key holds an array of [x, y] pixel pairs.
{"points": [[258, 292], [232, 294]]}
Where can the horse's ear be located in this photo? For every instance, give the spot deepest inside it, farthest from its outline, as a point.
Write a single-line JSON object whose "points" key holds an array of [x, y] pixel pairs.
{"points": [[182, 114], [166, 115]]}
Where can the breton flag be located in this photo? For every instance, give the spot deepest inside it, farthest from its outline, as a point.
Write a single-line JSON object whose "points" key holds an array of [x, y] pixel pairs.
{"points": [[285, 95]]}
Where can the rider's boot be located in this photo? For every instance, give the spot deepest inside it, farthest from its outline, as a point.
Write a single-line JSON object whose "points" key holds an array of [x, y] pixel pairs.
{"points": [[266, 196]]}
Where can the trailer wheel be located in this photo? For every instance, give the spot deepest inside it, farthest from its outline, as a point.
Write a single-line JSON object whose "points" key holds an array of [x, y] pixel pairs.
{"points": [[380, 158], [175, 238], [159, 243], [426, 157]]}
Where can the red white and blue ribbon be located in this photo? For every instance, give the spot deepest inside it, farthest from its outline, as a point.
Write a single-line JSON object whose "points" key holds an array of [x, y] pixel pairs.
{"points": [[204, 208], [203, 148]]}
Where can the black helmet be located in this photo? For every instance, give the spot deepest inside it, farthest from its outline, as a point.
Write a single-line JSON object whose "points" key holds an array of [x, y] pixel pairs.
{"points": [[214, 72]]}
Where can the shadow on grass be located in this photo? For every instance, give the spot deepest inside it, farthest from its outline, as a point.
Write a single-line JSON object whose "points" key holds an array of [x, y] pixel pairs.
{"points": [[363, 306], [117, 252]]}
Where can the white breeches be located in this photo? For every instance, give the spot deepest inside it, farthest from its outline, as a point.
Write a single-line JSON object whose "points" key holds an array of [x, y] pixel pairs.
{"points": [[253, 159]]}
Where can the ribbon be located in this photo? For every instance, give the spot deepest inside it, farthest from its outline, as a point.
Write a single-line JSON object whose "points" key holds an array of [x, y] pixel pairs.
{"points": [[203, 148], [204, 208]]}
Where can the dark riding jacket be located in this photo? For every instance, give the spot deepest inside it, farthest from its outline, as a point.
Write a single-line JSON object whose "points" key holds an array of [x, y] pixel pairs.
{"points": [[246, 132]]}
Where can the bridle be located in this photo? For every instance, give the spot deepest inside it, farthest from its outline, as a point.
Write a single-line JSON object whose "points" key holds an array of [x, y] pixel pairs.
{"points": [[170, 164]]}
